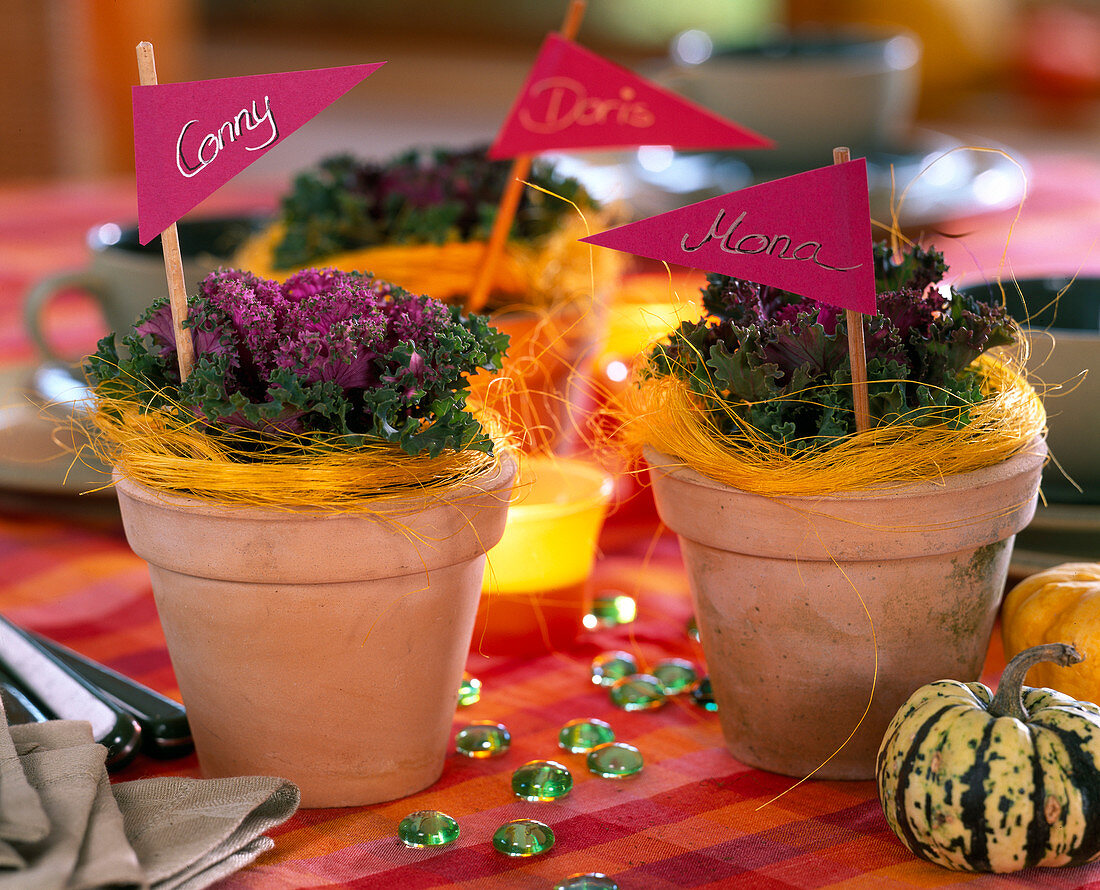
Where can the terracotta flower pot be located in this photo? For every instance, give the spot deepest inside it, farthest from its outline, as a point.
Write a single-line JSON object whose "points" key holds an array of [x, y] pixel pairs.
{"points": [[326, 648], [777, 586]]}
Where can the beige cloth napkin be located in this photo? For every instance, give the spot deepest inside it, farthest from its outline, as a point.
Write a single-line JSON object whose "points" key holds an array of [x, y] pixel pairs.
{"points": [[188, 833], [22, 819], [63, 826]]}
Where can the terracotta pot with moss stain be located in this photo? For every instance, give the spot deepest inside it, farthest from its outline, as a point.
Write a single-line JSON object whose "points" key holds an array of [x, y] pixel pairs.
{"points": [[326, 648], [792, 594]]}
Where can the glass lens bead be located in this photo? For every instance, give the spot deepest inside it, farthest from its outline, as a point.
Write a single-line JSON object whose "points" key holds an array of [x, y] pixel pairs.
{"points": [[483, 738], [579, 736], [676, 676], [608, 667], [693, 628], [469, 692], [523, 837], [641, 692], [615, 760], [703, 696], [427, 828], [592, 880], [610, 608], [540, 780]]}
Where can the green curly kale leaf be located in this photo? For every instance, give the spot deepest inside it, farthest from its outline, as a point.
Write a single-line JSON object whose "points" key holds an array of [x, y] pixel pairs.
{"points": [[416, 198], [914, 268], [780, 361]]}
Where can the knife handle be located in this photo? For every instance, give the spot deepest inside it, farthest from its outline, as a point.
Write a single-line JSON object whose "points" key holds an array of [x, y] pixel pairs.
{"points": [[164, 729], [64, 694], [18, 706]]}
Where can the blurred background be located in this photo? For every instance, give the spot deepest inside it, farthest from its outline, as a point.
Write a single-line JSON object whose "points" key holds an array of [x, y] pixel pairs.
{"points": [[1022, 72], [908, 84]]}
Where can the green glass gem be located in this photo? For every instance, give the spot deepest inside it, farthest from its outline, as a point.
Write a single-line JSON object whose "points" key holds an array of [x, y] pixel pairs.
{"points": [[610, 608], [592, 880], [469, 692], [523, 837], [542, 780], [676, 675], [579, 736], [642, 692], [427, 828], [611, 666], [483, 738], [703, 696], [615, 760]]}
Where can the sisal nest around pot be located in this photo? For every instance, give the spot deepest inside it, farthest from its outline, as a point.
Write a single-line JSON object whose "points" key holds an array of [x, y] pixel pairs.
{"points": [[169, 452], [662, 412], [540, 275], [327, 391]]}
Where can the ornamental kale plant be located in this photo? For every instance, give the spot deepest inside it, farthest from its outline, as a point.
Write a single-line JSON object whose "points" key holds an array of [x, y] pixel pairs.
{"points": [[415, 198], [325, 352], [780, 362]]}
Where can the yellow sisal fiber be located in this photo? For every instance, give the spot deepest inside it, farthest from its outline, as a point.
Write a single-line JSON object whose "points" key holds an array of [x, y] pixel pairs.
{"points": [[660, 411], [170, 453], [552, 270]]}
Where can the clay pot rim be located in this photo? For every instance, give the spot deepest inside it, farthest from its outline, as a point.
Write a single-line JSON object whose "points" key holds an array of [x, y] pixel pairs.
{"points": [[500, 477], [1035, 452]]}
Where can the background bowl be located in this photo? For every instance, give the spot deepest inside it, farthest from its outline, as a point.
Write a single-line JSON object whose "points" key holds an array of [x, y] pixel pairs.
{"points": [[809, 90]]}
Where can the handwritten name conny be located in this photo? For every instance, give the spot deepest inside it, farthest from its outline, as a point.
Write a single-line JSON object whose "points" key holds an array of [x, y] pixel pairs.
{"points": [[758, 243], [245, 121], [568, 104]]}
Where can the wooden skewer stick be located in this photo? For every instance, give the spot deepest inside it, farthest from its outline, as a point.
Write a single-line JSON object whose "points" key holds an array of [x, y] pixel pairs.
{"points": [[856, 348], [170, 242], [513, 191]]}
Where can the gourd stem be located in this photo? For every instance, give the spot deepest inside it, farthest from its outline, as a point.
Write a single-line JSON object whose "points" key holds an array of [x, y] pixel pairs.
{"points": [[1009, 702]]}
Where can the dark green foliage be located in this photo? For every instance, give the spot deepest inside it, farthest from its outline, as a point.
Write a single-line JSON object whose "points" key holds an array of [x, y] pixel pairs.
{"points": [[780, 361], [331, 353], [415, 198]]}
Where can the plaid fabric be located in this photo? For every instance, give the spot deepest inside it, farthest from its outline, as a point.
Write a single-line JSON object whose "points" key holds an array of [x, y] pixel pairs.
{"points": [[694, 816]]}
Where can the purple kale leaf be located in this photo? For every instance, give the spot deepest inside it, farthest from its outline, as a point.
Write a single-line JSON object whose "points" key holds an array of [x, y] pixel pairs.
{"points": [[324, 352], [780, 360]]}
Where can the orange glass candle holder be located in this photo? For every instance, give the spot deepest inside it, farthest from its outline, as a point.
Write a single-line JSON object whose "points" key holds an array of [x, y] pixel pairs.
{"points": [[534, 595]]}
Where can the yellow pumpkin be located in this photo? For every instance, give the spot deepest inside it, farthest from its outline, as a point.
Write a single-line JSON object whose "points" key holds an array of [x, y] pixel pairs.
{"points": [[1061, 604]]}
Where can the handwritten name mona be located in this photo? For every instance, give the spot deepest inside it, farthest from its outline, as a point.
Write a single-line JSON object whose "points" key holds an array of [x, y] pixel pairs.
{"points": [[246, 120], [778, 246]]}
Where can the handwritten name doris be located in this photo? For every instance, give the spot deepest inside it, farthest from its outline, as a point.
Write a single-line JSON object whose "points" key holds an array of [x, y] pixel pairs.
{"points": [[243, 123], [778, 246], [569, 104]]}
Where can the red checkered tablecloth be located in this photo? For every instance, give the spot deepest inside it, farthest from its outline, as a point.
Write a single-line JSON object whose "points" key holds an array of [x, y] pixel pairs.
{"points": [[694, 817]]}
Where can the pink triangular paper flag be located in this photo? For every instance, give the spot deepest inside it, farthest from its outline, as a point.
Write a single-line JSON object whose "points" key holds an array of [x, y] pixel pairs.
{"points": [[191, 138], [809, 233], [575, 99]]}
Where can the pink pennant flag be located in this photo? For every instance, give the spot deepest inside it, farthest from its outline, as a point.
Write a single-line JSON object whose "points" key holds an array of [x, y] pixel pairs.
{"points": [[809, 234], [192, 138], [576, 99]]}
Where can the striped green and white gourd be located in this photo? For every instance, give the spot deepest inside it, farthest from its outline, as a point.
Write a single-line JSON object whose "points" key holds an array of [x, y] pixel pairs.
{"points": [[977, 782]]}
